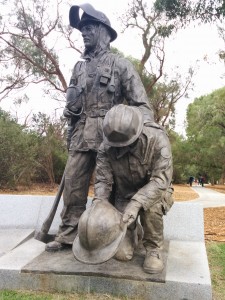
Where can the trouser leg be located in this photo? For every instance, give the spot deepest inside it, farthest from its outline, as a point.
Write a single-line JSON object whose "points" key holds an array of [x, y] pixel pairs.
{"points": [[126, 249], [78, 172], [152, 222]]}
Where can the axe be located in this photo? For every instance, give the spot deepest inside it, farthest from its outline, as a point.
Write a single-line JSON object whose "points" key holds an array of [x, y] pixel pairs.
{"points": [[43, 235]]}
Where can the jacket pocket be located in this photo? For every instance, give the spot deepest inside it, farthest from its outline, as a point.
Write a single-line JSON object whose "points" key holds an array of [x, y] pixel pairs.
{"points": [[168, 200]]}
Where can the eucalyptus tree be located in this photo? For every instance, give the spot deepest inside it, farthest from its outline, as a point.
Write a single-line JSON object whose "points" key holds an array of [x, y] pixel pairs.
{"points": [[188, 10], [32, 34], [37, 154], [18, 152], [206, 133], [155, 28], [183, 167], [52, 150]]}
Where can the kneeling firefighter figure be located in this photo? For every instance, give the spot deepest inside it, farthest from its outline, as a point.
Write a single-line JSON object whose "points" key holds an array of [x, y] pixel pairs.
{"points": [[135, 162]]}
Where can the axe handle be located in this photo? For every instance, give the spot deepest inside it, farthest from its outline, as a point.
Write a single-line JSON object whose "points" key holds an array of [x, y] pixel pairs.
{"points": [[48, 221]]}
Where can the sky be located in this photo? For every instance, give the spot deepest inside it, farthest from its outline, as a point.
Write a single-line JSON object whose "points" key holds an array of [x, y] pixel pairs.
{"points": [[195, 43]]}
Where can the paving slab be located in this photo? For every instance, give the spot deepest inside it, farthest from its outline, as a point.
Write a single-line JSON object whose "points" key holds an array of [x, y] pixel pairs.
{"points": [[64, 262], [11, 238], [188, 263], [184, 222], [19, 211], [12, 263], [18, 257]]}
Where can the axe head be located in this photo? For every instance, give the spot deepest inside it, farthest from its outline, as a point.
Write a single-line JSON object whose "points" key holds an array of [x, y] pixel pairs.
{"points": [[44, 237]]}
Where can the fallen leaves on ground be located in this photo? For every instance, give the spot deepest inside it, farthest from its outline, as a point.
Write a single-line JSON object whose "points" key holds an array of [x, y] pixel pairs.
{"points": [[183, 192], [34, 189], [218, 188], [214, 221]]}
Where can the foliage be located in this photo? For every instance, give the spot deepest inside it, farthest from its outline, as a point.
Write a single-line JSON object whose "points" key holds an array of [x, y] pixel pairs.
{"points": [[182, 153], [37, 154], [206, 133], [187, 10], [52, 152], [17, 152], [221, 31]]}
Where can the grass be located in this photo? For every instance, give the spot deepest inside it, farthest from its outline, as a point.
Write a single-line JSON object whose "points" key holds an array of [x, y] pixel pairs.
{"points": [[31, 295], [19, 295], [216, 258]]}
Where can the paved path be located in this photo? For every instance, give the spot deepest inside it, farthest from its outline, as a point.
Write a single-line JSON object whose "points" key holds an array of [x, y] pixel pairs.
{"points": [[208, 197]]}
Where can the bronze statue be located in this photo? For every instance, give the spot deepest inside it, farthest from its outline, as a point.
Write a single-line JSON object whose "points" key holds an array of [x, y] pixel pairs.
{"points": [[135, 161], [100, 81]]}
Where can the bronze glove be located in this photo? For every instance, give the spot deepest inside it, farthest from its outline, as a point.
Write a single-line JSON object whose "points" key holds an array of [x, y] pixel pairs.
{"points": [[131, 212]]}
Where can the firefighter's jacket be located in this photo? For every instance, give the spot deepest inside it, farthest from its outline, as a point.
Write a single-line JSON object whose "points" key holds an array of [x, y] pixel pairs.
{"points": [[104, 80], [142, 172]]}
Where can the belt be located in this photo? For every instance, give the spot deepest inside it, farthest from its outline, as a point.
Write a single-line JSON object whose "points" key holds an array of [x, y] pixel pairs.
{"points": [[97, 113]]}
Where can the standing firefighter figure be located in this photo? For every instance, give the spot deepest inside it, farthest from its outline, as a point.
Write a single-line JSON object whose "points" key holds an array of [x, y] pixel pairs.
{"points": [[134, 158], [100, 81]]}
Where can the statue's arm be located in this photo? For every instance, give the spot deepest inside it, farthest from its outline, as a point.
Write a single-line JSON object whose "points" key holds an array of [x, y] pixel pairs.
{"points": [[103, 177], [160, 176], [133, 89]]}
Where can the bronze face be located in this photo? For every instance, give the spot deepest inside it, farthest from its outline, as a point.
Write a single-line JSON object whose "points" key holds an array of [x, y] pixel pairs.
{"points": [[90, 36]]}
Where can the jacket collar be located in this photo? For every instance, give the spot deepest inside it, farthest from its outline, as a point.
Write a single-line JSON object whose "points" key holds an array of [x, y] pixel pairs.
{"points": [[135, 149]]}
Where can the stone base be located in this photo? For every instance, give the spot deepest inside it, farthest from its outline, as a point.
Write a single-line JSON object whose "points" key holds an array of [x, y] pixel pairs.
{"points": [[64, 263], [186, 275]]}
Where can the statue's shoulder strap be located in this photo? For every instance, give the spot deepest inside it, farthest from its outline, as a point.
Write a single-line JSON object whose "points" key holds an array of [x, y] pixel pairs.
{"points": [[78, 74]]}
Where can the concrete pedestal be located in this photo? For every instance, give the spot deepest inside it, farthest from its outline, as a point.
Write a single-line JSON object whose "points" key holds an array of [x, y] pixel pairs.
{"points": [[25, 265]]}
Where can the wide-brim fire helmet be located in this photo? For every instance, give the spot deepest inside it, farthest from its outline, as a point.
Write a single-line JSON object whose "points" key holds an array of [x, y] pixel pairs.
{"points": [[122, 125], [90, 15], [100, 232]]}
